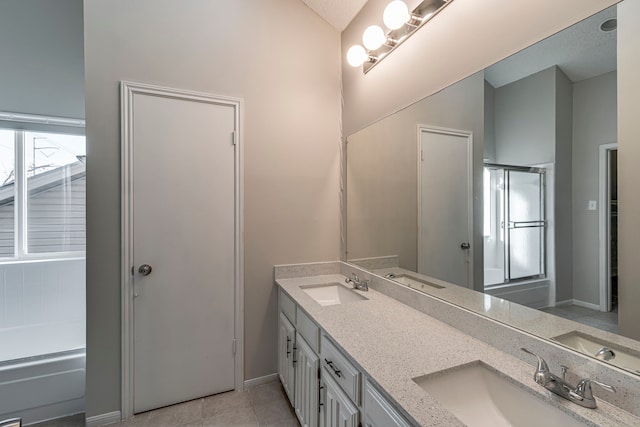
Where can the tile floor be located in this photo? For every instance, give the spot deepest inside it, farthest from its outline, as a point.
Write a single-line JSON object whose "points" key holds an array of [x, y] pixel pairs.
{"points": [[607, 321], [262, 406]]}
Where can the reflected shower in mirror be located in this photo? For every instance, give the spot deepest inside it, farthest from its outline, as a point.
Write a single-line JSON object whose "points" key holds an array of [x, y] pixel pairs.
{"points": [[503, 183]]}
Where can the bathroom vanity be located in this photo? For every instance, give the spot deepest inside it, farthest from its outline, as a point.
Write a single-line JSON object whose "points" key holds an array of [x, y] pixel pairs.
{"points": [[347, 356]]}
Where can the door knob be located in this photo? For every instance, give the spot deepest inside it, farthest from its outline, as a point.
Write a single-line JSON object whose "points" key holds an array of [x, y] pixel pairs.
{"points": [[145, 269], [465, 245]]}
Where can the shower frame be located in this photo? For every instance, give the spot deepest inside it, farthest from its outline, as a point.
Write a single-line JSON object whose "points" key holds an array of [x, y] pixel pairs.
{"points": [[507, 225]]}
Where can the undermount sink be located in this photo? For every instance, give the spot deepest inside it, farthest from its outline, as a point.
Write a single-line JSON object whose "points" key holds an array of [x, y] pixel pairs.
{"points": [[415, 283], [480, 396], [623, 357], [332, 294]]}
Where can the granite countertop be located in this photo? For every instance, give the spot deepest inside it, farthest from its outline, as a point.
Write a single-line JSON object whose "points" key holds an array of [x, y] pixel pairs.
{"points": [[519, 316], [392, 343]]}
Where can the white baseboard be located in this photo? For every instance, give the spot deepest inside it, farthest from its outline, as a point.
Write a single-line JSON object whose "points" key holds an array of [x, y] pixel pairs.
{"points": [[586, 304], [578, 303], [260, 380], [102, 419]]}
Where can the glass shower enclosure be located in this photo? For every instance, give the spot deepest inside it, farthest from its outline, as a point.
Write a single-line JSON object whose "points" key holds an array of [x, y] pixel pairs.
{"points": [[514, 224]]}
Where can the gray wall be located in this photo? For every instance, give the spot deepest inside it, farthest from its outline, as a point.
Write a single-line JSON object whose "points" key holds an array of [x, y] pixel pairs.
{"points": [[525, 132], [594, 124], [382, 175], [285, 62], [628, 171], [42, 57], [489, 123], [533, 127], [563, 177]]}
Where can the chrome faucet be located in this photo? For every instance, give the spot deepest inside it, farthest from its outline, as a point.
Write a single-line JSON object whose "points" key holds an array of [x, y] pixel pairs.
{"points": [[605, 353], [581, 394], [361, 285]]}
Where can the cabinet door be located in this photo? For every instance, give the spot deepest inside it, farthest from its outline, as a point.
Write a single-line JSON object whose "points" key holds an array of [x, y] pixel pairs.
{"points": [[286, 355], [337, 409], [378, 412], [307, 383]]}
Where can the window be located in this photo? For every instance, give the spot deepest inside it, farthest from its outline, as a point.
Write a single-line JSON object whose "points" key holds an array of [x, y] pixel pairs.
{"points": [[42, 194]]}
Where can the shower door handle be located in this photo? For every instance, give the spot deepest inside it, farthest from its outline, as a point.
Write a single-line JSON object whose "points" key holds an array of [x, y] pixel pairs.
{"points": [[465, 245]]}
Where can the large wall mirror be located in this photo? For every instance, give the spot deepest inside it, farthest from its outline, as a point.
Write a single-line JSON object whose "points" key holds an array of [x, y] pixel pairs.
{"points": [[499, 193]]}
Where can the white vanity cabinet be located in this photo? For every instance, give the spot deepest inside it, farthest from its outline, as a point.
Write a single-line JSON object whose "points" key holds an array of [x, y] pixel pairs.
{"points": [[323, 384], [337, 408], [340, 382], [298, 361], [378, 412]]}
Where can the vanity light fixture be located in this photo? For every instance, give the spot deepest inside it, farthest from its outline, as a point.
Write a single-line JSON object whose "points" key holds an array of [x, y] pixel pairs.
{"points": [[401, 24], [396, 14], [373, 37]]}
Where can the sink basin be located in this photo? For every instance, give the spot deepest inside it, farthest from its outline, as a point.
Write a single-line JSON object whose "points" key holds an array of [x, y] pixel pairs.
{"points": [[332, 294], [414, 282], [478, 395], [624, 357]]}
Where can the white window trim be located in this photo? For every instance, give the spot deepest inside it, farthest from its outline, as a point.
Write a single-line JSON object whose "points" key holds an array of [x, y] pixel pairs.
{"points": [[20, 196]]}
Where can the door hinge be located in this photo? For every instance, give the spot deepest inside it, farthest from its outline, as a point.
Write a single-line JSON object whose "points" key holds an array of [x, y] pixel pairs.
{"points": [[422, 155], [234, 137], [233, 346]]}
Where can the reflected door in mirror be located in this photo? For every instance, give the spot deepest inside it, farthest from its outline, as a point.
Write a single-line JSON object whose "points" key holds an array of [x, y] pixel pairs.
{"points": [[445, 208]]}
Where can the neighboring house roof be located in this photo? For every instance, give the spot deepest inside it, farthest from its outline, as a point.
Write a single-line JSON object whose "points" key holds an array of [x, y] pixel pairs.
{"points": [[44, 181]]}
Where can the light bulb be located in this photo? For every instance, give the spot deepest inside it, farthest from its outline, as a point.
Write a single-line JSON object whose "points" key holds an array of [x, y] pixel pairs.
{"points": [[356, 55], [373, 37], [396, 14]]}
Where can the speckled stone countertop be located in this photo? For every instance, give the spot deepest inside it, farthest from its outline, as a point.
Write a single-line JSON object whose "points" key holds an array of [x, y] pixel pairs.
{"points": [[519, 316], [391, 343]]}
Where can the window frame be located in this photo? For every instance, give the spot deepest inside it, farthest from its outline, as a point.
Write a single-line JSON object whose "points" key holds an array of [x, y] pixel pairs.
{"points": [[21, 124]]}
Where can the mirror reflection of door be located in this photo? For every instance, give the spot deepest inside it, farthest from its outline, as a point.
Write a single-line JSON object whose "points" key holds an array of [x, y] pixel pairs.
{"points": [[444, 205]]}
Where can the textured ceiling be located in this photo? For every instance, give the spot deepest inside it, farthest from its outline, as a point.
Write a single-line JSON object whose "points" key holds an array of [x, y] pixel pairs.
{"points": [[338, 13], [581, 51]]}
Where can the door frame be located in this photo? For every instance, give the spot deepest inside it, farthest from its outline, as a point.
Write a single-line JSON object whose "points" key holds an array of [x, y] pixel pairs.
{"points": [[604, 225], [127, 91], [469, 136]]}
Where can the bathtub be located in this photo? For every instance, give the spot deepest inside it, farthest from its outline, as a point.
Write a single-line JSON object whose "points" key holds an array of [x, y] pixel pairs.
{"points": [[45, 376], [493, 276], [534, 293]]}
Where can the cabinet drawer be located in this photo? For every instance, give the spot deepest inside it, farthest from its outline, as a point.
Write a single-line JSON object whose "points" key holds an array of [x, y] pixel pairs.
{"points": [[308, 329], [378, 411], [342, 371], [288, 307]]}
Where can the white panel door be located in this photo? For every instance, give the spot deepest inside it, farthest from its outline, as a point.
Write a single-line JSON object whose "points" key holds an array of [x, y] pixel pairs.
{"points": [[183, 227], [445, 208]]}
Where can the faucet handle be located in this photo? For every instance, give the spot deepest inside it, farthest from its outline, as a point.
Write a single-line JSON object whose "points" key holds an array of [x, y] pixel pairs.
{"points": [[541, 376], [584, 387], [583, 390]]}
